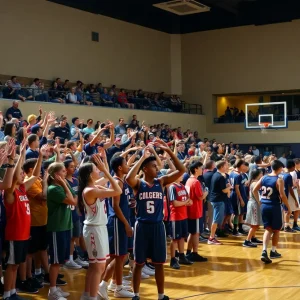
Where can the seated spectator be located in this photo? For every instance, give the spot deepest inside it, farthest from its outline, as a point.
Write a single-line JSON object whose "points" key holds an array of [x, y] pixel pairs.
{"points": [[176, 103], [140, 94], [59, 83], [66, 86], [14, 111], [15, 84], [25, 93], [122, 100], [9, 92], [94, 96], [55, 95], [107, 100], [99, 88], [72, 96], [37, 91]]}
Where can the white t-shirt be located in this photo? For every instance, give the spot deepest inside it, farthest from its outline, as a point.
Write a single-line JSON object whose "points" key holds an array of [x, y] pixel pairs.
{"points": [[283, 160]]}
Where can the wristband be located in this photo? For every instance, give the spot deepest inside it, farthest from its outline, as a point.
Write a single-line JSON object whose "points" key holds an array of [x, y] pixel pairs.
{"points": [[10, 166]]}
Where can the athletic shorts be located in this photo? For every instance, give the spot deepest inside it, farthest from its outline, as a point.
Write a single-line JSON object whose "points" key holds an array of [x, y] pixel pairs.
{"points": [[38, 239], [59, 246], [76, 231], [118, 239], [149, 243], [16, 252], [179, 229], [271, 216], [237, 208], [228, 208], [218, 212], [292, 204], [96, 242], [193, 226]]}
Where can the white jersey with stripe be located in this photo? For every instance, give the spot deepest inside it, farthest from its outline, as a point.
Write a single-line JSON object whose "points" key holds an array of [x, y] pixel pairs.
{"points": [[95, 214]]}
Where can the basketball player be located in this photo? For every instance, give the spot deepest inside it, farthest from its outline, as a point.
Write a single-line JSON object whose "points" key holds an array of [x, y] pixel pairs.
{"points": [[272, 192], [293, 202], [92, 196], [179, 200], [119, 230], [18, 221], [195, 211], [237, 196], [150, 237]]}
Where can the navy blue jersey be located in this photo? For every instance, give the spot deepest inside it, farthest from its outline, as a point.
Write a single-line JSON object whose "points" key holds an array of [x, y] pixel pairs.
{"points": [[124, 201], [150, 202], [74, 185], [269, 191], [235, 179], [245, 194], [227, 179], [288, 182]]}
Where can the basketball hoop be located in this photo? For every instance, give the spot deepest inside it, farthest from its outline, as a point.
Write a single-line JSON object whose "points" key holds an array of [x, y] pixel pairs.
{"points": [[264, 126]]}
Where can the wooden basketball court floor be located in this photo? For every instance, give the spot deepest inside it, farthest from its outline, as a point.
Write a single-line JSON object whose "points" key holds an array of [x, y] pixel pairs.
{"points": [[232, 272]]}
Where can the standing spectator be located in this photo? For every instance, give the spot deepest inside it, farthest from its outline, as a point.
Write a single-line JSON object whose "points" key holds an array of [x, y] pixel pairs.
{"points": [[62, 131], [89, 128], [120, 128], [283, 159], [219, 191], [14, 111], [255, 151], [60, 198], [291, 155], [250, 151]]}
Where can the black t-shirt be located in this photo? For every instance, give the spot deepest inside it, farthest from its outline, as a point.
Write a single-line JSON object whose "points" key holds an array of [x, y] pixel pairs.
{"points": [[218, 184], [61, 132], [207, 180]]}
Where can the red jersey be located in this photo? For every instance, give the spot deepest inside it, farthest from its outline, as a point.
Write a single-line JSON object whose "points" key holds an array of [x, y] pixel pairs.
{"points": [[18, 218], [194, 189], [178, 192]]}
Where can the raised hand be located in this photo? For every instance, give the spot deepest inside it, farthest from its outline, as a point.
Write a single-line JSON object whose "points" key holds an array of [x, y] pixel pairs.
{"points": [[146, 152], [102, 153], [10, 147], [40, 110], [3, 156], [23, 145], [98, 162], [59, 179], [45, 149]]}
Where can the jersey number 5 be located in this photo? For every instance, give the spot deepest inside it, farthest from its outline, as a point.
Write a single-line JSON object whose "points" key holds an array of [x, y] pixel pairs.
{"points": [[150, 207], [266, 192]]}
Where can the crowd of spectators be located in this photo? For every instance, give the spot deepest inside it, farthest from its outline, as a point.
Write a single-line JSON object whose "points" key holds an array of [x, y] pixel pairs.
{"points": [[90, 94]]}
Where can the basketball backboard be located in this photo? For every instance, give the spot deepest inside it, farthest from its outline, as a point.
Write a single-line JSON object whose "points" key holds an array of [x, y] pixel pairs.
{"points": [[273, 113]]}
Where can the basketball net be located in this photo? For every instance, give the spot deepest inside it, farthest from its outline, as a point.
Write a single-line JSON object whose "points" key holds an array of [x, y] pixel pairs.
{"points": [[264, 127]]}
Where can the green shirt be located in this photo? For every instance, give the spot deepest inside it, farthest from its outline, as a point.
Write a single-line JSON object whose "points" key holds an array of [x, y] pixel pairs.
{"points": [[59, 213]]}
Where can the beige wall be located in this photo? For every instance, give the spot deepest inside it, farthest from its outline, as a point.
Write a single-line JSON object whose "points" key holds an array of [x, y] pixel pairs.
{"points": [[240, 60], [47, 40], [193, 122], [176, 69]]}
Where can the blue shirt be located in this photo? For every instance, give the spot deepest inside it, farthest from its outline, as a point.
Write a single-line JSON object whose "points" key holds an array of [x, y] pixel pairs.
{"points": [[235, 179], [74, 185], [288, 183], [31, 153], [269, 191], [150, 202], [124, 201]]}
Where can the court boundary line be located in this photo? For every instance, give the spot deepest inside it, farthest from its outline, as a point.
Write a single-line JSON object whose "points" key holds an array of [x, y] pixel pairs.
{"points": [[236, 290]]}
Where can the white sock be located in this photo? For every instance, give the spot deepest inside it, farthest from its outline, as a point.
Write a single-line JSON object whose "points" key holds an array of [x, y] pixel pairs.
{"points": [[93, 298], [104, 283], [137, 294], [6, 294], [86, 294], [119, 287], [112, 281], [161, 296], [71, 258], [38, 271], [264, 248], [13, 291], [53, 289], [273, 248]]}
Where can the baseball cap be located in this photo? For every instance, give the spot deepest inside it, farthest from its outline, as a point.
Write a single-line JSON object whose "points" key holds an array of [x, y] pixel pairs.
{"points": [[35, 128], [31, 118]]}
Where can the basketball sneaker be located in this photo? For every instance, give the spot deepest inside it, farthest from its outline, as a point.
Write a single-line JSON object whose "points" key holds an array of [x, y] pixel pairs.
{"points": [[213, 241], [184, 261], [249, 244], [289, 229], [81, 262], [112, 287], [195, 257], [174, 264], [70, 264], [264, 257], [103, 291], [63, 293], [296, 228], [55, 296], [256, 241], [123, 293], [274, 254], [148, 271], [26, 287]]}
